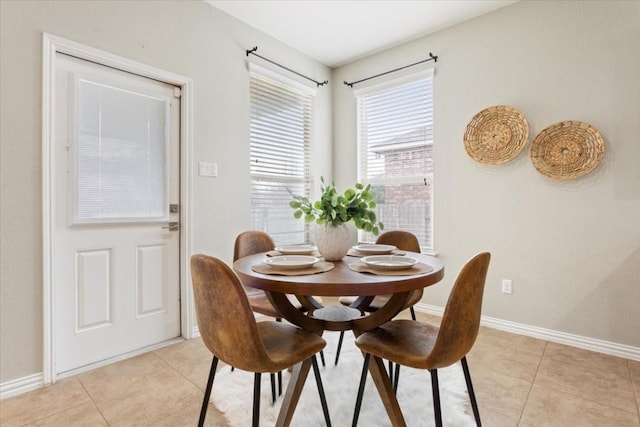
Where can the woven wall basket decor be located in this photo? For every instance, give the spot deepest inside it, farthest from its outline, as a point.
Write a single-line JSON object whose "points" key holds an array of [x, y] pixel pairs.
{"points": [[496, 135], [567, 150]]}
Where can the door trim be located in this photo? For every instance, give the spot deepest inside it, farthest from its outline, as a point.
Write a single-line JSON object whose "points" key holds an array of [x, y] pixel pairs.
{"points": [[50, 46]]}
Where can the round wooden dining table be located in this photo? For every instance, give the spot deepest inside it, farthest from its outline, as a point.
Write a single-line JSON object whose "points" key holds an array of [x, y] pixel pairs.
{"points": [[341, 280]]}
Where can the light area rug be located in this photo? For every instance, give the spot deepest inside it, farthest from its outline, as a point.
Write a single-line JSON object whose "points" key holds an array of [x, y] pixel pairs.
{"points": [[232, 394]]}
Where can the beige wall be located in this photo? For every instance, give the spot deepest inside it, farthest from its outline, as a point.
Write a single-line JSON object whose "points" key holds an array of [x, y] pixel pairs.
{"points": [[185, 37], [571, 248]]}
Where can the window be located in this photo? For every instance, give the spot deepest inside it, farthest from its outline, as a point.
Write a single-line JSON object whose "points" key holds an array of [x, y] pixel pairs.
{"points": [[280, 139], [121, 155], [395, 138]]}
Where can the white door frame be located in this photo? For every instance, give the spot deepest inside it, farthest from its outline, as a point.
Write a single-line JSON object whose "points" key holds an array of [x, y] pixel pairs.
{"points": [[51, 45]]}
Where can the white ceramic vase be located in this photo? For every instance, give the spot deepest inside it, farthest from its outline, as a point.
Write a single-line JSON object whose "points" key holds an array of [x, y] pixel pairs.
{"points": [[333, 241]]}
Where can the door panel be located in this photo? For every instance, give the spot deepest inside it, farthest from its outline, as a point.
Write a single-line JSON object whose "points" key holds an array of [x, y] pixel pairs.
{"points": [[94, 289], [116, 264], [151, 297]]}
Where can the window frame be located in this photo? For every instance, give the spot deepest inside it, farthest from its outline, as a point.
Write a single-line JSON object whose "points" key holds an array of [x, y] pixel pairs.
{"points": [[380, 86], [304, 90]]}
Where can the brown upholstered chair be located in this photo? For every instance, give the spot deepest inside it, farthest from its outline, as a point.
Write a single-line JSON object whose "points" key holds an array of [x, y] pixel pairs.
{"points": [[229, 330], [249, 243], [423, 346], [405, 241], [254, 242]]}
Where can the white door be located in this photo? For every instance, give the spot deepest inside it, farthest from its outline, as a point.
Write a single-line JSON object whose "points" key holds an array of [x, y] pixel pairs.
{"points": [[116, 259]]}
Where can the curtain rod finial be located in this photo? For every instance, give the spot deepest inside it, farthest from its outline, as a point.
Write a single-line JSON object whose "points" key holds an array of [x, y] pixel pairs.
{"points": [[252, 50]]}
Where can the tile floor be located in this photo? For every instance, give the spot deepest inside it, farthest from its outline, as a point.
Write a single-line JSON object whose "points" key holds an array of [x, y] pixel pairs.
{"points": [[519, 381]]}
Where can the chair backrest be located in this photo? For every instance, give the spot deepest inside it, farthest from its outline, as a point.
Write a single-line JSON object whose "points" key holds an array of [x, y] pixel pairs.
{"points": [[252, 242], [400, 239], [461, 319], [226, 322]]}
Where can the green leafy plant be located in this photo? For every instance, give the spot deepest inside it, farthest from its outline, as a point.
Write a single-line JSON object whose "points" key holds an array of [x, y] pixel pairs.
{"points": [[355, 205]]}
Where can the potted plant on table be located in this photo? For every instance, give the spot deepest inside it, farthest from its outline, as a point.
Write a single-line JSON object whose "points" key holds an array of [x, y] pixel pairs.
{"points": [[333, 212]]}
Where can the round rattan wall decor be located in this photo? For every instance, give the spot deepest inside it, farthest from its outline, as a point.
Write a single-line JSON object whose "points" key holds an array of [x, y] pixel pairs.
{"points": [[567, 150], [496, 135]]}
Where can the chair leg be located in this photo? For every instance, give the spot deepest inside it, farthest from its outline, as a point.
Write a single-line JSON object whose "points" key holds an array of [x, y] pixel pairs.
{"points": [[472, 395], [339, 347], [436, 397], [363, 380], [207, 392], [279, 319], [322, 358], [272, 377], [256, 399], [391, 372], [323, 399], [397, 378]]}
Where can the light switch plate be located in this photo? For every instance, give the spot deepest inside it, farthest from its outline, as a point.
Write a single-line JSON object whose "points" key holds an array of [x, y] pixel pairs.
{"points": [[208, 169]]}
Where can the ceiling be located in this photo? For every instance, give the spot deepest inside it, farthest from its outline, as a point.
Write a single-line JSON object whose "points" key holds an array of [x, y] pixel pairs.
{"points": [[336, 32]]}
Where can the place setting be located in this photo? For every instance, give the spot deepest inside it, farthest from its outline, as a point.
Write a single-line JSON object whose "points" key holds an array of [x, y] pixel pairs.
{"points": [[385, 260], [304, 249], [368, 249], [294, 260]]}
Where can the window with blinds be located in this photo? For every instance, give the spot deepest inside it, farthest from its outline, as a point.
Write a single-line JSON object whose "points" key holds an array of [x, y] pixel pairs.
{"points": [[280, 139], [121, 155], [395, 140]]}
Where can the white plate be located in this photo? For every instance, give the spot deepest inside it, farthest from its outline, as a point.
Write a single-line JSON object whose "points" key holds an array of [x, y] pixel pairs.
{"points": [[296, 249], [291, 262], [375, 249], [389, 262]]}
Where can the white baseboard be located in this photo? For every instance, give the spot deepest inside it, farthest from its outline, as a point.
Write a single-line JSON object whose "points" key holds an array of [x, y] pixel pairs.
{"points": [[592, 344], [21, 385], [35, 381]]}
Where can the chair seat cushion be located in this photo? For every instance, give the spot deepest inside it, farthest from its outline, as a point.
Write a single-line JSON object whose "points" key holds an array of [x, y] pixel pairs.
{"points": [[406, 342], [287, 345]]}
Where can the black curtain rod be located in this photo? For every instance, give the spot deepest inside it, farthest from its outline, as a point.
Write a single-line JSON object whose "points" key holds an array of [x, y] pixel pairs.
{"points": [[253, 52], [432, 58]]}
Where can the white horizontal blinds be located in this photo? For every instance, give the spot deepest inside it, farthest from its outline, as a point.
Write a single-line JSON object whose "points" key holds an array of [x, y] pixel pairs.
{"points": [[121, 155], [280, 139], [395, 142]]}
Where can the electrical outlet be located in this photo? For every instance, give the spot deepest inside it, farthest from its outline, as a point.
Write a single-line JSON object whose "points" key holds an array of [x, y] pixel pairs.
{"points": [[506, 286]]}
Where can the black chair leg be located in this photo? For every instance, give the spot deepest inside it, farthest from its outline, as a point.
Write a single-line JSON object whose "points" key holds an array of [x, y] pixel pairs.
{"points": [[363, 380], [278, 319], [472, 395], [256, 399], [207, 392], [436, 397], [322, 358], [391, 378], [272, 377], [339, 347], [396, 379], [396, 376], [323, 399]]}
